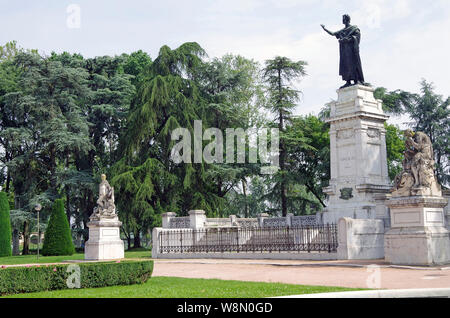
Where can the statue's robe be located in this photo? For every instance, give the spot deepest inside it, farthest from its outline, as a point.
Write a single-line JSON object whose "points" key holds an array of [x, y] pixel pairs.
{"points": [[350, 67]]}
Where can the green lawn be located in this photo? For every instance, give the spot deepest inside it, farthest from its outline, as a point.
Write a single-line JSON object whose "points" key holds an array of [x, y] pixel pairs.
{"points": [[172, 287], [167, 287], [32, 259]]}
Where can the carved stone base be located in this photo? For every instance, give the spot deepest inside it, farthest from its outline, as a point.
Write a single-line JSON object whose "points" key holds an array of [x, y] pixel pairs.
{"points": [[104, 240], [358, 158], [418, 235]]}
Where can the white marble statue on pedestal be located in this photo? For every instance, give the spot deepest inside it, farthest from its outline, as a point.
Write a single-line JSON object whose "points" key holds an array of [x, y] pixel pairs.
{"points": [[418, 235], [104, 228], [417, 177]]}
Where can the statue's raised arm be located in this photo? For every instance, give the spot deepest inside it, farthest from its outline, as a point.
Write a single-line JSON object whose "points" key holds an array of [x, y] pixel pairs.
{"points": [[326, 30]]}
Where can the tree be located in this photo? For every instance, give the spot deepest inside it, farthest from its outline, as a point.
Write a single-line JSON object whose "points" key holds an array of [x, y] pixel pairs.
{"points": [[110, 94], [429, 113], [166, 99], [279, 75], [232, 88], [58, 237], [5, 226], [308, 161], [395, 147], [137, 64], [394, 102], [43, 126]]}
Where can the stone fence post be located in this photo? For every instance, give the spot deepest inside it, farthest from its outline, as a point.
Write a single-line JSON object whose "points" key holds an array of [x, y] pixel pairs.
{"points": [[197, 219], [166, 219], [155, 238], [289, 219], [360, 239], [261, 218], [233, 220]]}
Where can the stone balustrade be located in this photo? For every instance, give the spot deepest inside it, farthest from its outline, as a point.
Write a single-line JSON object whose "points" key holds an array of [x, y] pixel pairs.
{"points": [[197, 219]]}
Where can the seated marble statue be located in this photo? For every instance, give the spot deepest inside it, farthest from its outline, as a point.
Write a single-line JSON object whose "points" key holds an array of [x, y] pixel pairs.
{"points": [[417, 177], [105, 202]]}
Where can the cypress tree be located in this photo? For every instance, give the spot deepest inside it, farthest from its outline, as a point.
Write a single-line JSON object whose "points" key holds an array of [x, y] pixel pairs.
{"points": [[58, 237], [280, 73], [5, 226]]}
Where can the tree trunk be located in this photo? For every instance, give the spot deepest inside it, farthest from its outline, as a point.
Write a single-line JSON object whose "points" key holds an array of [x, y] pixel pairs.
{"points": [[137, 240], [244, 190], [26, 238], [16, 242], [128, 237], [8, 182], [283, 185]]}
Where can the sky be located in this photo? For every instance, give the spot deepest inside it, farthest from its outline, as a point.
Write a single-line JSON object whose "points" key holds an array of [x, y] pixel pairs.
{"points": [[403, 41]]}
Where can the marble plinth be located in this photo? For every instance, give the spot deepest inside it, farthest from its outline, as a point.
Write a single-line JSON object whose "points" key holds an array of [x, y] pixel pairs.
{"points": [[418, 235], [104, 240]]}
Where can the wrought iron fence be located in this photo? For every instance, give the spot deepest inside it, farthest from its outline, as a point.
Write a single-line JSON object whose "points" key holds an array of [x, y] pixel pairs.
{"points": [[318, 238]]}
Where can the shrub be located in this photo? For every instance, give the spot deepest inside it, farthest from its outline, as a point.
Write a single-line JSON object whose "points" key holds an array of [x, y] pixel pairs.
{"points": [[5, 226], [15, 280], [58, 237]]}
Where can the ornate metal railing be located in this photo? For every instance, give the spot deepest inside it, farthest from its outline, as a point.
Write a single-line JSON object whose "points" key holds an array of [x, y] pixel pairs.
{"points": [[319, 238]]}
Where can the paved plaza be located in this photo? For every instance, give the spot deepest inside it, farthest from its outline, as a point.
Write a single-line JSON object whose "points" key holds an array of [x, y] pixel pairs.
{"points": [[352, 274]]}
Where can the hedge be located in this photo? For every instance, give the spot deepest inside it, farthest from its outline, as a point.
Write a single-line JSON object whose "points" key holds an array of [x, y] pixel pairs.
{"points": [[58, 237], [5, 226], [37, 278]]}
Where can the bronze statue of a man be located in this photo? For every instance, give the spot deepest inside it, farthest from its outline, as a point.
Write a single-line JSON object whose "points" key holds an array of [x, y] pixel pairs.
{"points": [[350, 67]]}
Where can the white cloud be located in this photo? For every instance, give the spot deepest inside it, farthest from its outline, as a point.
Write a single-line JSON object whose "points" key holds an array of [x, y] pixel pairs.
{"points": [[373, 13]]}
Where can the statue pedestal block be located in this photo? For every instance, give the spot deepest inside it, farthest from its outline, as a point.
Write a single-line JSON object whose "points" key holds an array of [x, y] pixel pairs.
{"points": [[417, 235], [104, 240], [358, 158]]}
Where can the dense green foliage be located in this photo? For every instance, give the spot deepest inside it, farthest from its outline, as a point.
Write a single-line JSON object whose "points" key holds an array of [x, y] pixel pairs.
{"points": [[395, 147], [32, 259], [66, 119], [14, 280], [279, 74], [429, 113], [58, 238], [308, 162], [174, 287], [5, 226]]}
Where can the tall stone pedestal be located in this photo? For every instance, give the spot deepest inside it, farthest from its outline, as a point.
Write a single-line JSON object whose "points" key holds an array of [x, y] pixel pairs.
{"points": [[359, 175], [104, 240], [417, 235]]}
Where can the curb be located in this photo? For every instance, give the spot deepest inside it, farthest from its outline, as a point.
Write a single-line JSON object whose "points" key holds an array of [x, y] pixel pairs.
{"points": [[324, 264], [392, 293]]}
